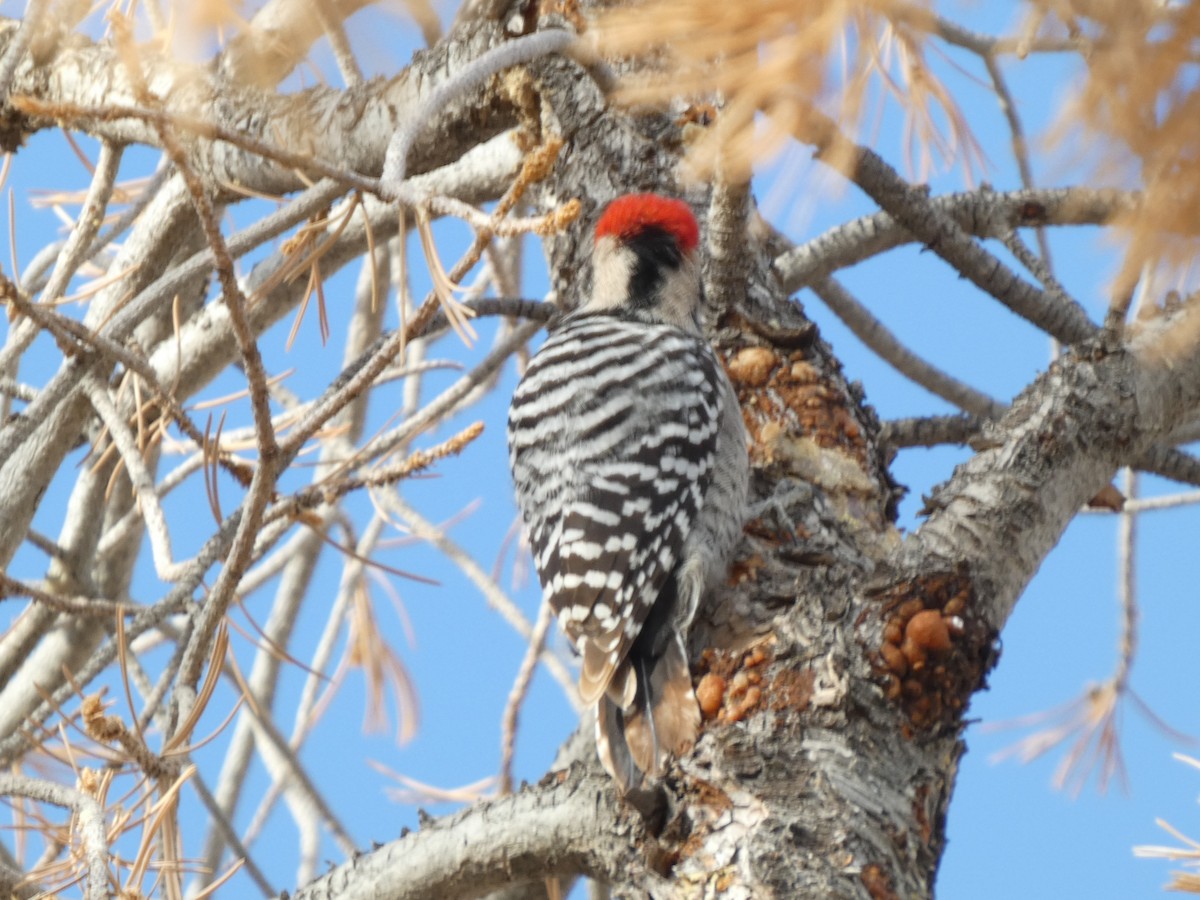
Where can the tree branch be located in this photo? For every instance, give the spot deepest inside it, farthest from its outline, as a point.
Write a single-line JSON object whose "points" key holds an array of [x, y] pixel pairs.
{"points": [[90, 824], [983, 214], [1059, 317], [1062, 440], [569, 826], [929, 431], [352, 125]]}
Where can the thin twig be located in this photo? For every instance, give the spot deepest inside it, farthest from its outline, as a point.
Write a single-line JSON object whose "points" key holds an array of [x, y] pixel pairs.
{"points": [[77, 606], [455, 396], [310, 704], [221, 822], [1171, 501], [516, 697], [78, 247], [929, 431], [1038, 266], [1020, 145], [143, 482], [986, 45], [381, 476]]}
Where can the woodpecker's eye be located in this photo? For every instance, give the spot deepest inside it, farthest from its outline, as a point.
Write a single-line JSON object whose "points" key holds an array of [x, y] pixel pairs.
{"points": [[656, 252], [656, 246]]}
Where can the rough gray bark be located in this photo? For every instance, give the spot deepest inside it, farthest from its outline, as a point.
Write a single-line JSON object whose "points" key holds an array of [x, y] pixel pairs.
{"points": [[568, 826]]}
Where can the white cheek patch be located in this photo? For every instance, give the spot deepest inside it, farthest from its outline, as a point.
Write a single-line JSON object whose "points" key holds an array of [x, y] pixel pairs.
{"points": [[612, 266]]}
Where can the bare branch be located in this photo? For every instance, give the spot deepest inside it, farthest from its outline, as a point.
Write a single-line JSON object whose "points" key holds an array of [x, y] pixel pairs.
{"points": [[524, 49], [90, 819], [1097, 414], [568, 827], [1170, 463], [330, 18], [512, 708], [911, 206], [930, 431], [980, 213]]}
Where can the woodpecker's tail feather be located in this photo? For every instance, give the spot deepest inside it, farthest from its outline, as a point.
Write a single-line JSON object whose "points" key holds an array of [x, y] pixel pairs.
{"points": [[635, 741]]}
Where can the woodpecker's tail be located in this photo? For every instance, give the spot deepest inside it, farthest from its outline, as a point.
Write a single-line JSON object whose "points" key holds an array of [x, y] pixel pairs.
{"points": [[638, 730]]}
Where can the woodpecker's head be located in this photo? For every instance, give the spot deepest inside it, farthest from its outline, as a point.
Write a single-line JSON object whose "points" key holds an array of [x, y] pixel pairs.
{"points": [[644, 265]]}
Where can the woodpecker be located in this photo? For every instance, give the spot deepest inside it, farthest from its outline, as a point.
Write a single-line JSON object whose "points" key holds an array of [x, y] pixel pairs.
{"points": [[628, 453]]}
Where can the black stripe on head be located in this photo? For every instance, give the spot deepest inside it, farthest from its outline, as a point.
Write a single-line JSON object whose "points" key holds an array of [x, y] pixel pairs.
{"points": [[655, 252]]}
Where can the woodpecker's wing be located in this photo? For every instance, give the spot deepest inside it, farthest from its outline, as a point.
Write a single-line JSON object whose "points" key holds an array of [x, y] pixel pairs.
{"points": [[612, 438]]}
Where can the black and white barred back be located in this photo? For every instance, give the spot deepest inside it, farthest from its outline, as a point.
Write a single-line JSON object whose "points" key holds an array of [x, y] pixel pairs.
{"points": [[629, 457]]}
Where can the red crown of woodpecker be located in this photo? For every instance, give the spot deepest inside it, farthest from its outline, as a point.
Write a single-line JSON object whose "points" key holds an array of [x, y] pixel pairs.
{"points": [[628, 216]]}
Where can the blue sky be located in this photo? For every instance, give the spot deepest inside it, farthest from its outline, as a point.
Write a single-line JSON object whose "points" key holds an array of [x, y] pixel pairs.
{"points": [[1010, 833]]}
